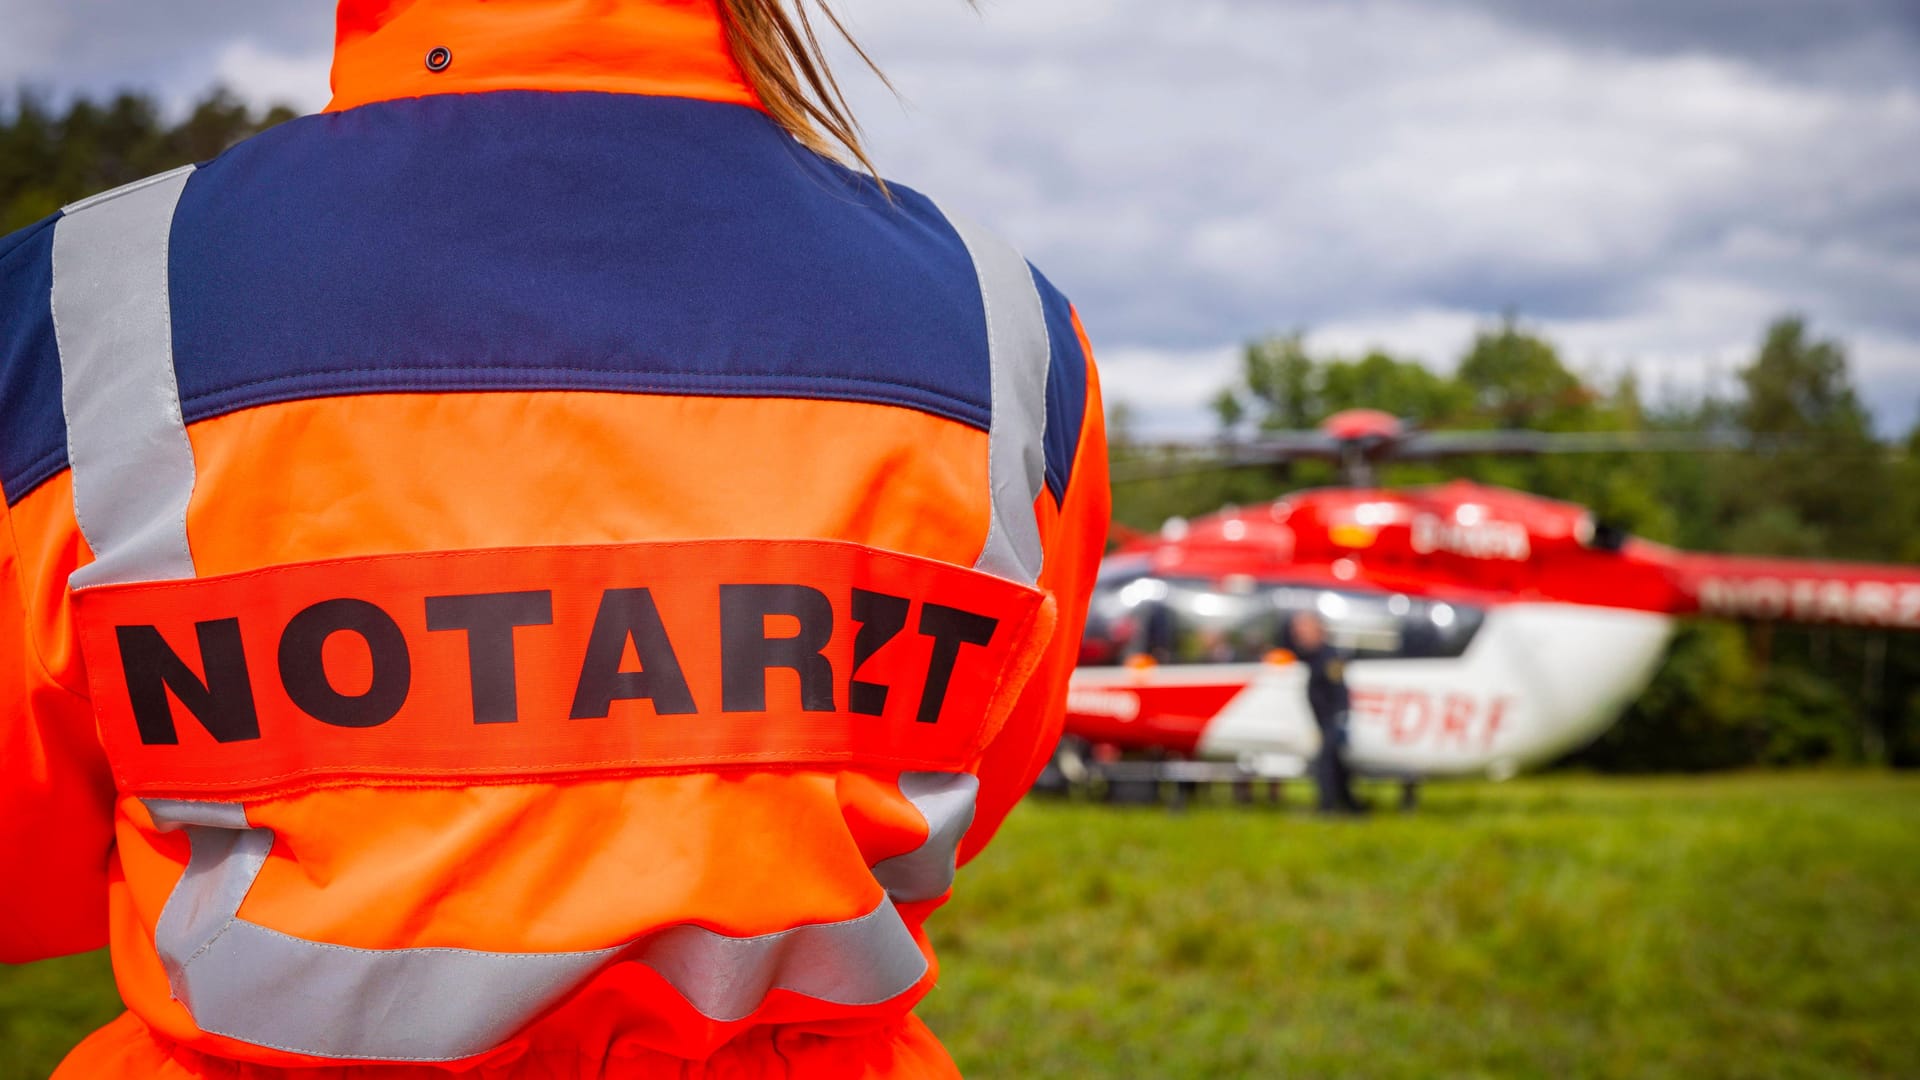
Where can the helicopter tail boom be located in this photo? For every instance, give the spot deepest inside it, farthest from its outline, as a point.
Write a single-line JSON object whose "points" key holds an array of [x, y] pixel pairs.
{"points": [[1796, 590]]}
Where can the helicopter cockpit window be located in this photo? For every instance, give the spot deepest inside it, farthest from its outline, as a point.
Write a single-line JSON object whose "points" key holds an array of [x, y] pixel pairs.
{"points": [[1386, 625], [1185, 621]]}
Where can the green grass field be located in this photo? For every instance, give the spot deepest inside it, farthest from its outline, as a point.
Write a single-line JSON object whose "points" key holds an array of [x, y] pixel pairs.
{"points": [[1749, 926]]}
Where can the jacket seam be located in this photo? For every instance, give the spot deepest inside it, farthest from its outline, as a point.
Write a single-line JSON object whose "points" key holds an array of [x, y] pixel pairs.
{"points": [[649, 381]]}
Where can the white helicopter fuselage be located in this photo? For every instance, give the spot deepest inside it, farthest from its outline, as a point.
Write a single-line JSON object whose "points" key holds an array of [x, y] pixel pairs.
{"points": [[1537, 681]]}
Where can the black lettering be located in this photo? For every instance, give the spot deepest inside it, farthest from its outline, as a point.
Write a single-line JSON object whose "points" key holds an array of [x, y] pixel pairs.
{"points": [[223, 703], [949, 628], [747, 653], [489, 620], [881, 618], [629, 615], [303, 669]]}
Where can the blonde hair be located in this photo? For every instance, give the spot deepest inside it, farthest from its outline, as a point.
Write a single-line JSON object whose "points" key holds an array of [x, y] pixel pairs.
{"points": [[783, 60]]}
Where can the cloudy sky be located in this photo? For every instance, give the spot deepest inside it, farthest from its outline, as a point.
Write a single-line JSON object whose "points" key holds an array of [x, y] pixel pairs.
{"points": [[1646, 181]]}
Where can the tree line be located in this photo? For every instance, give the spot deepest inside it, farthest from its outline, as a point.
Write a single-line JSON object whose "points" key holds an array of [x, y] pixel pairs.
{"points": [[51, 155], [1816, 481]]}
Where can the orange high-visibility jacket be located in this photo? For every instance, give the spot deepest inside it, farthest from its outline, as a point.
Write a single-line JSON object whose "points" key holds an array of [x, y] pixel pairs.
{"points": [[529, 572]]}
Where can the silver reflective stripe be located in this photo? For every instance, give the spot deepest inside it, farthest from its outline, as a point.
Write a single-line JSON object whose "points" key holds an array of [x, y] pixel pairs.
{"points": [[946, 800], [246, 982], [1018, 356], [126, 441], [862, 961], [225, 857]]}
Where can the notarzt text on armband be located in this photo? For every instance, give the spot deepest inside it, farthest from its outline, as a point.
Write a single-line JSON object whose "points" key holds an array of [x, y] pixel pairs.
{"points": [[627, 655]]}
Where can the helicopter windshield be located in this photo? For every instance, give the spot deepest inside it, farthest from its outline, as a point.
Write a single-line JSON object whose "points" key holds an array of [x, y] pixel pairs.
{"points": [[1240, 620]]}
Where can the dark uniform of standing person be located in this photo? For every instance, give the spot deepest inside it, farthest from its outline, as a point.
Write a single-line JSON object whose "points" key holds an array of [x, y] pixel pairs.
{"points": [[1327, 696]]}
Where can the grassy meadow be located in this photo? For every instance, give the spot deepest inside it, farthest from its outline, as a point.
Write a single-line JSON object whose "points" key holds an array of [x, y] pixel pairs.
{"points": [[1744, 926]]}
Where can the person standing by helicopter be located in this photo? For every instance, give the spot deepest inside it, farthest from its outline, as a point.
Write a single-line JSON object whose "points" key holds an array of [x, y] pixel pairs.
{"points": [[1331, 703]]}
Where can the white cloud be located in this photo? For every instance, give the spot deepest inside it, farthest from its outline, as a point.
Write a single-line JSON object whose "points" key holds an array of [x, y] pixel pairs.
{"points": [[1203, 172], [1648, 186], [32, 31], [1437, 337], [260, 73], [1166, 392], [175, 50]]}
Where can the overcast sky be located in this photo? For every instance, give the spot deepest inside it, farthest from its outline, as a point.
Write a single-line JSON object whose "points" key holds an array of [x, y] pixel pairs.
{"points": [[1646, 181]]}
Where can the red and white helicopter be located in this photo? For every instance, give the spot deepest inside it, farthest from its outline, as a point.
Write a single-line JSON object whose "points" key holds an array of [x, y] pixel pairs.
{"points": [[1489, 629]]}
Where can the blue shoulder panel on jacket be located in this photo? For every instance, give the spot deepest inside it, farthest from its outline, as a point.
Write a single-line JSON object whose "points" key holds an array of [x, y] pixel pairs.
{"points": [[33, 428], [536, 241], [1066, 386], [577, 241]]}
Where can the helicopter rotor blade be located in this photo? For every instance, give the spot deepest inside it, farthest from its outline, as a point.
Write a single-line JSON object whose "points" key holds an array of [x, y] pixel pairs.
{"points": [[1282, 446], [1429, 446], [1358, 456]]}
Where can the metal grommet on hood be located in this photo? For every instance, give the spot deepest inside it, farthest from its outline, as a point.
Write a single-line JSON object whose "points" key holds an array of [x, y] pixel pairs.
{"points": [[439, 57]]}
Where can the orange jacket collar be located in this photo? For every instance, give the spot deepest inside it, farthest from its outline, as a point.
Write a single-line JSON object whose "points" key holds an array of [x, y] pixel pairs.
{"points": [[673, 48]]}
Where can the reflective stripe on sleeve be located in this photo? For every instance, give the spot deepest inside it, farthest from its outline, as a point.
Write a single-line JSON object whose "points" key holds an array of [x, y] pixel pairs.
{"points": [[127, 444], [247, 982], [946, 801], [1016, 436]]}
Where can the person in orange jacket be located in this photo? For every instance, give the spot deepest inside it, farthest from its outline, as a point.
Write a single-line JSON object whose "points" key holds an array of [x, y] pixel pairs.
{"points": [[534, 571]]}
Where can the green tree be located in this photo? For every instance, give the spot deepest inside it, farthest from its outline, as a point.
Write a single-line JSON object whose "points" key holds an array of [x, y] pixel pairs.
{"points": [[1820, 482], [1404, 388], [1798, 386], [1277, 379], [1518, 381]]}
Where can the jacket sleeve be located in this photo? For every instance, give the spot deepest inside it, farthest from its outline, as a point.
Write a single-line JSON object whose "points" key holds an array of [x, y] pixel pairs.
{"points": [[56, 794], [1074, 544]]}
